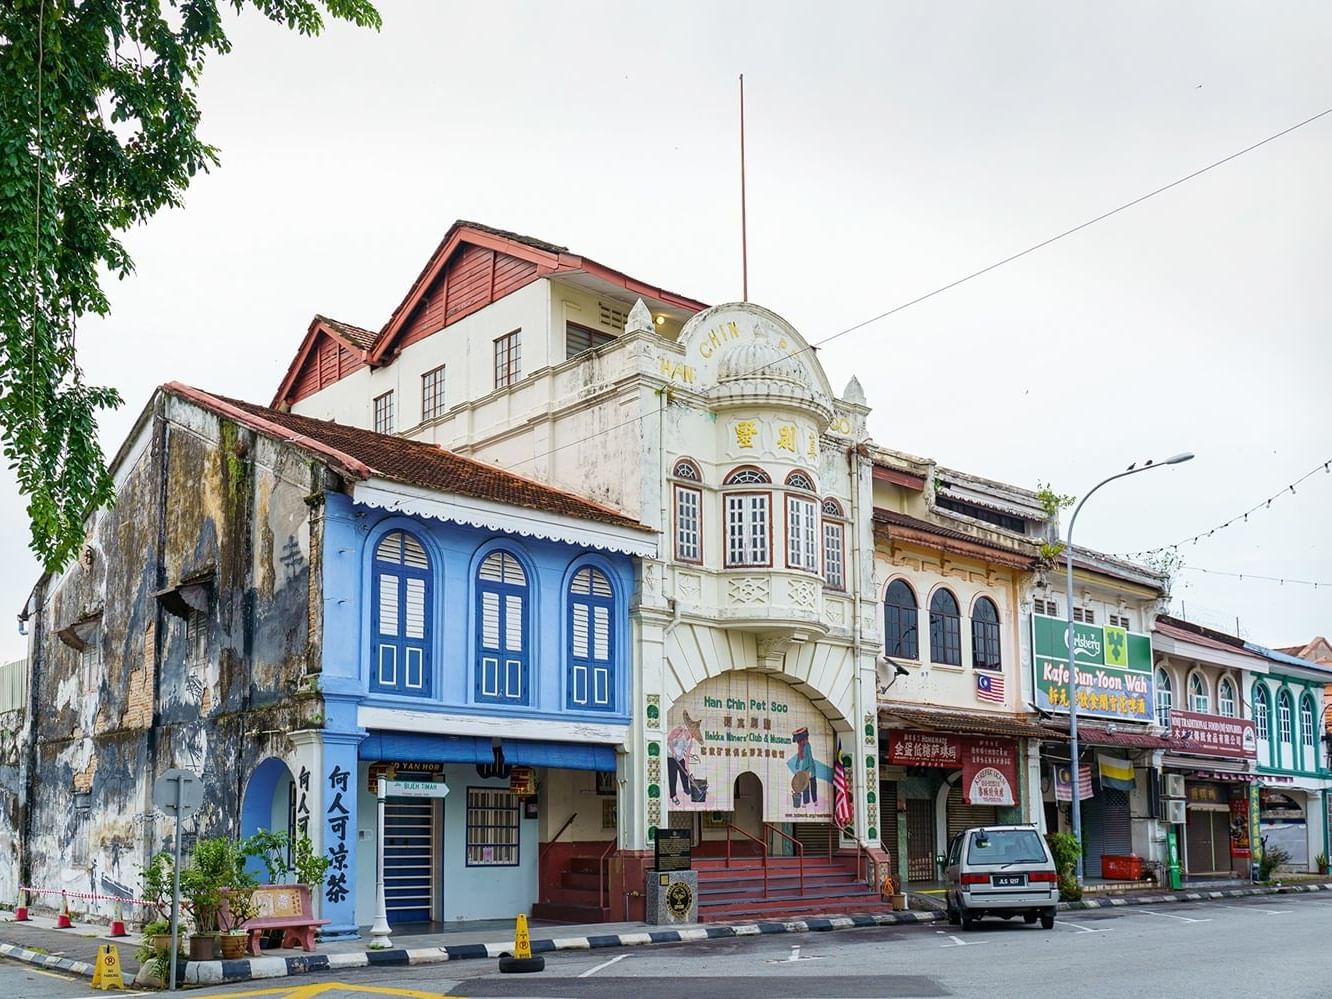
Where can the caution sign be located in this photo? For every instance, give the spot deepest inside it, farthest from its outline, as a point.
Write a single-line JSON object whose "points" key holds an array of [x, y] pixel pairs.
{"points": [[107, 974], [522, 940]]}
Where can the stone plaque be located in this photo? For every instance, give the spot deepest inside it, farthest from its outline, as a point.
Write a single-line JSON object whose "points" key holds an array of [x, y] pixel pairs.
{"points": [[673, 849], [672, 897]]}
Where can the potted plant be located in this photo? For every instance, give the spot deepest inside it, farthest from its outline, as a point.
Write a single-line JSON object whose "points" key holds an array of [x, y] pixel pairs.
{"points": [[240, 908], [1321, 861], [214, 866], [308, 866]]}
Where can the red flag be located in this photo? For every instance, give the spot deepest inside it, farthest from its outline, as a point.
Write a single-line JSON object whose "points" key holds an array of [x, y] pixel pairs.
{"points": [[842, 810]]}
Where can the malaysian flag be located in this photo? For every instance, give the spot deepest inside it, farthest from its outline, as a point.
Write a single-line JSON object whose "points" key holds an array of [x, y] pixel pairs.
{"points": [[842, 813], [990, 687]]}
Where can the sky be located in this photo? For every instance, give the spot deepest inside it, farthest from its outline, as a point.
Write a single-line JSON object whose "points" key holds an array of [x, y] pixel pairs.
{"points": [[892, 148]]}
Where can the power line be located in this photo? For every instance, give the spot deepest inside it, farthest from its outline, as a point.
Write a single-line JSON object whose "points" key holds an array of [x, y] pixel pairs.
{"points": [[1247, 576], [973, 275], [1239, 518]]}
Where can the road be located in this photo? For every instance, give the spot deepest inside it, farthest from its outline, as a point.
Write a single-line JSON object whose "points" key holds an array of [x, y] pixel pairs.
{"points": [[1264, 946]]}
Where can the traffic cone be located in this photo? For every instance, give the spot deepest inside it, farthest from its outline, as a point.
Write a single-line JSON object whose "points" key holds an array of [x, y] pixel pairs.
{"points": [[63, 921], [117, 922], [21, 910]]}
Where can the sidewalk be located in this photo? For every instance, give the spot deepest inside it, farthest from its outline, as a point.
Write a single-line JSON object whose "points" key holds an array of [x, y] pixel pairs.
{"points": [[74, 950], [485, 940]]}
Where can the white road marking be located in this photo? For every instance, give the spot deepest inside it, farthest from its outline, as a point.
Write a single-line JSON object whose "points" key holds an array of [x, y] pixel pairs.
{"points": [[1253, 908], [959, 942], [604, 964], [1167, 915], [794, 956], [1079, 926]]}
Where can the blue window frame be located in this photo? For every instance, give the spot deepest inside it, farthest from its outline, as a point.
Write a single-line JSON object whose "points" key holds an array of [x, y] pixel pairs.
{"points": [[591, 642], [400, 659], [502, 612]]}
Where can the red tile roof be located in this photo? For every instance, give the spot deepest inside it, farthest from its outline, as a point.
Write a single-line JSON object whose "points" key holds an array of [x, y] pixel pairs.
{"points": [[1093, 735], [1182, 631], [362, 338], [363, 454], [1014, 556], [977, 723]]}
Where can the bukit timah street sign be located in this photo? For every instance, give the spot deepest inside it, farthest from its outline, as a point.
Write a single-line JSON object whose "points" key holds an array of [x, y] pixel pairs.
{"points": [[1114, 669]]}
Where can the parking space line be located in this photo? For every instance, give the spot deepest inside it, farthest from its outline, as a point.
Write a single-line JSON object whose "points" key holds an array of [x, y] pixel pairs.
{"points": [[604, 964], [1253, 908], [1168, 915], [1079, 926]]}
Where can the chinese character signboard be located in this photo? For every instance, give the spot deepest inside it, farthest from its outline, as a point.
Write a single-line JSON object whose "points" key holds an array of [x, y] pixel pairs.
{"points": [[745, 721], [1213, 735], [989, 766], [1114, 669]]}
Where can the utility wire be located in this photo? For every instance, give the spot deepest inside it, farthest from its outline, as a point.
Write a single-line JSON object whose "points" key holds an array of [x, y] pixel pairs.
{"points": [[1245, 576], [973, 275], [1241, 518]]}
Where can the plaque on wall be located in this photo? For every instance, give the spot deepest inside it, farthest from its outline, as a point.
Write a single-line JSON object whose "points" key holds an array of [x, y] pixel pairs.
{"points": [[673, 849]]}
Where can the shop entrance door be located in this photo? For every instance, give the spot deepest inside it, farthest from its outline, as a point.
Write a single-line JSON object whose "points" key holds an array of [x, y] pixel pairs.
{"points": [[411, 835], [920, 839], [1207, 839], [748, 792]]}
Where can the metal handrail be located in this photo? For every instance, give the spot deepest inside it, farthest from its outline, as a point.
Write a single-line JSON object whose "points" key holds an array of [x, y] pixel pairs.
{"points": [[762, 845], [800, 852], [545, 849], [603, 875]]}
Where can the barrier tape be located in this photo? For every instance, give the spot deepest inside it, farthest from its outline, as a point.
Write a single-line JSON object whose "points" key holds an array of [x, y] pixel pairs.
{"points": [[87, 896]]}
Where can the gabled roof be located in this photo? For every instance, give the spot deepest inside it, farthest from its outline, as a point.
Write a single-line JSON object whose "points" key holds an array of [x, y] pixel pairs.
{"points": [[355, 339], [362, 454], [354, 335], [549, 258]]}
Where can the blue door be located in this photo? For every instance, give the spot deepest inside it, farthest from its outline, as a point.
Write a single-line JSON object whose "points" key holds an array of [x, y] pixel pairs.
{"points": [[410, 859]]}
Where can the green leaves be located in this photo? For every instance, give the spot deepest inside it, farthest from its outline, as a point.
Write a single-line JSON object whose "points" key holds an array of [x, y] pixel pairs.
{"points": [[98, 132]]}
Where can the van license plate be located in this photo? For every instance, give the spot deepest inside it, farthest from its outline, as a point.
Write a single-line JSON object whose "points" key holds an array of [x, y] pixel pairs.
{"points": [[1008, 880]]}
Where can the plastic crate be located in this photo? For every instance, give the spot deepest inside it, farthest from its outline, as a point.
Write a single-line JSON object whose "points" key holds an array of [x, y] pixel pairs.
{"points": [[1121, 868]]}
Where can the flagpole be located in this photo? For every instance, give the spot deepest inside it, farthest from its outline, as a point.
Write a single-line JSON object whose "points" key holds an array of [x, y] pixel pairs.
{"points": [[744, 229]]}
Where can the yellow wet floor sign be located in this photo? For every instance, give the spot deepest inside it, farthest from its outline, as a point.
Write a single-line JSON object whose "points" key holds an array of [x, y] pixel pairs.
{"points": [[522, 940], [107, 974]]}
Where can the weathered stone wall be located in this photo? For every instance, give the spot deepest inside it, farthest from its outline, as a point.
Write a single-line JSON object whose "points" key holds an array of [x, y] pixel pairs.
{"points": [[198, 499]]}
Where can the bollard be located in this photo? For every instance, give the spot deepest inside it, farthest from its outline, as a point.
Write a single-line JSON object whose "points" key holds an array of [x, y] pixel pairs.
{"points": [[63, 921], [521, 960], [117, 922], [21, 910]]}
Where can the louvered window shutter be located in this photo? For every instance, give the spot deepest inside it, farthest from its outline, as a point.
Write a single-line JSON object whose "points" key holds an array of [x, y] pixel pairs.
{"points": [[590, 673], [502, 656], [400, 662]]}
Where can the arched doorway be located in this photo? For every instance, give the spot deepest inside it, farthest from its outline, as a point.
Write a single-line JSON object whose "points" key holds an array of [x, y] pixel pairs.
{"points": [[748, 801], [269, 803]]}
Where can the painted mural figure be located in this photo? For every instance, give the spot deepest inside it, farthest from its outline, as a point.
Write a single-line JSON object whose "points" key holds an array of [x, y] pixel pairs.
{"points": [[804, 779], [680, 751]]}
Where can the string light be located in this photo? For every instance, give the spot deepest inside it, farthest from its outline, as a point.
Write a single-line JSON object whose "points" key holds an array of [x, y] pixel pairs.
{"points": [[1250, 577], [1266, 504]]}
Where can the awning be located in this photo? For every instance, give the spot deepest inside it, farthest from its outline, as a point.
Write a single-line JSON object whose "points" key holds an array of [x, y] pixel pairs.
{"points": [[416, 747], [1211, 764], [979, 723], [1095, 735]]}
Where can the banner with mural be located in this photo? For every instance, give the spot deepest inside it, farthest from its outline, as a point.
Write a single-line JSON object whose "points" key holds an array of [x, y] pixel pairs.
{"points": [[1114, 669], [744, 720]]}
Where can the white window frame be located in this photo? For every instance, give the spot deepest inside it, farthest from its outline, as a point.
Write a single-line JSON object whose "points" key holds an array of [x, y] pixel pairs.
{"points": [[834, 554], [688, 524], [1165, 698], [1285, 731], [748, 530], [802, 520], [1307, 734], [1199, 702], [1225, 706]]}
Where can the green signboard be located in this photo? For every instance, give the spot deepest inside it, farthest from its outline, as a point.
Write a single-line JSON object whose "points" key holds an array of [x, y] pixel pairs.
{"points": [[1114, 669]]}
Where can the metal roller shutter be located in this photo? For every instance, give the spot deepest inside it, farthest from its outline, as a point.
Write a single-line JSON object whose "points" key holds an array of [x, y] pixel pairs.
{"points": [[888, 815], [962, 816], [1106, 828]]}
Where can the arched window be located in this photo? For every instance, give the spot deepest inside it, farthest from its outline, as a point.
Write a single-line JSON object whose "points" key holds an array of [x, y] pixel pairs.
{"points": [[945, 629], [1261, 721], [1164, 697], [502, 630], [1225, 698], [1306, 724], [748, 519], [1283, 716], [688, 513], [1200, 699], [901, 622], [800, 480], [591, 641], [834, 545], [985, 635], [400, 660]]}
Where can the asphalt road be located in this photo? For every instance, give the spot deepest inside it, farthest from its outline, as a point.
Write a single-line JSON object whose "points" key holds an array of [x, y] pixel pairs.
{"points": [[1259, 947]]}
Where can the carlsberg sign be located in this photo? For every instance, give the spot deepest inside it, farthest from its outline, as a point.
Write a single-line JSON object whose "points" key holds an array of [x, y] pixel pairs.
{"points": [[1114, 669]]}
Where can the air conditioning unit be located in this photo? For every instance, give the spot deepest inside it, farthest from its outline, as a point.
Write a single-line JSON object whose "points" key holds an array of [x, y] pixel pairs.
{"points": [[1176, 812], [1174, 785]]}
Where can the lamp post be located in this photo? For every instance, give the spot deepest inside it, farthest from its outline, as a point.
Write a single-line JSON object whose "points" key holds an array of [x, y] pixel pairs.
{"points": [[1068, 645]]}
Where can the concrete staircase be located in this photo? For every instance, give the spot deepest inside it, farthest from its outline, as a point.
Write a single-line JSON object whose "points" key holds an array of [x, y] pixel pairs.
{"points": [[831, 887], [576, 899]]}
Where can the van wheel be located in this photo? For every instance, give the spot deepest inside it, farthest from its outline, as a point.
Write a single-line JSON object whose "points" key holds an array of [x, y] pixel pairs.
{"points": [[953, 917], [968, 921], [1047, 921], [1029, 918]]}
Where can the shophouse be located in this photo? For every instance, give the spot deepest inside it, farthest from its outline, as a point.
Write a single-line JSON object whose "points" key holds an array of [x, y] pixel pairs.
{"points": [[958, 741], [293, 609], [1293, 780], [1203, 681], [754, 625], [1121, 732]]}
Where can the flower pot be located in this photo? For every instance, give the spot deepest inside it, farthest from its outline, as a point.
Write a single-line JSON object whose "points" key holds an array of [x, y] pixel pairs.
{"points": [[203, 946], [162, 941], [899, 901], [233, 946]]}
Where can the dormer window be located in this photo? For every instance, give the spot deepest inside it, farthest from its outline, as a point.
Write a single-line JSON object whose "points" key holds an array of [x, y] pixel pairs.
{"points": [[748, 518]]}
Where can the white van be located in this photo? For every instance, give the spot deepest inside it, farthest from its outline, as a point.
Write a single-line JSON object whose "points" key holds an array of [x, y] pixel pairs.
{"points": [[1003, 871]]}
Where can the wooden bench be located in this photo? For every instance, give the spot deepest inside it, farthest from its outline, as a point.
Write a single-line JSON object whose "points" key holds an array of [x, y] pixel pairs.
{"points": [[280, 907]]}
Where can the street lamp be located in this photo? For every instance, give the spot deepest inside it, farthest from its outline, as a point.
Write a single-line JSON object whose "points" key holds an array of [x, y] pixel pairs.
{"points": [[1133, 469]]}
